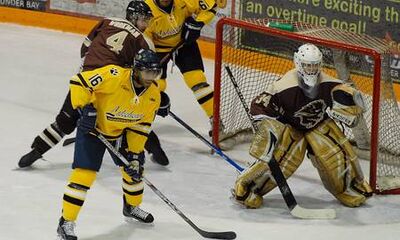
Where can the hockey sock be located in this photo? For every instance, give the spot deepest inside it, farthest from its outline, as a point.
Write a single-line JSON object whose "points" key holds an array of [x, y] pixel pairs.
{"points": [[48, 138], [133, 191], [80, 182], [196, 80]]}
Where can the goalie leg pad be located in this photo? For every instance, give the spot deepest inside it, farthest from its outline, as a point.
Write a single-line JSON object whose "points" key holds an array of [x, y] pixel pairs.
{"points": [[247, 177], [256, 181], [333, 166], [350, 199], [289, 153], [245, 181], [358, 183], [266, 138]]}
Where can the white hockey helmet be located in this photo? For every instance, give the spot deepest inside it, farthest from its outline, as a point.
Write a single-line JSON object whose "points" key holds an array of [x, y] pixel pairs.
{"points": [[308, 61]]}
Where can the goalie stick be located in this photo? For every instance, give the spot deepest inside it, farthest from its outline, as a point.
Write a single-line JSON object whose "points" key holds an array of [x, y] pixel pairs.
{"points": [[278, 176], [71, 140], [203, 233], [295, 209]]}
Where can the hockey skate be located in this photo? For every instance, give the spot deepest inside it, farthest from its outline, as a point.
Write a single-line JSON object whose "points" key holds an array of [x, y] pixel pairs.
{"points": [[29, 158], [130, 212], [65, 230], [153, 146]]}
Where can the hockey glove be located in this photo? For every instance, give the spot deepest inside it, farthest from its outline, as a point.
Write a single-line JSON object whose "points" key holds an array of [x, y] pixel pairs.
{"points": [[135, 167], [191, 30], [165, 105], [87, 121]]}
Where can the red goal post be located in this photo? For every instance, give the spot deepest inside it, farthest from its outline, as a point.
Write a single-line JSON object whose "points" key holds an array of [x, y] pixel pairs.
{"points": [[240, 45]]}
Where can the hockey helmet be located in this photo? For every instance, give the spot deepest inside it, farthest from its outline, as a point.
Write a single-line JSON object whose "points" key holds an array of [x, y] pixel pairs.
{"points": [[308, 61], [147, 66], [139, 13]]}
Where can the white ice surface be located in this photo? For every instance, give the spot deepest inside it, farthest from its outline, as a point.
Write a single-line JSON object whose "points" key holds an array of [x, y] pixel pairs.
{"points": [[36, 65]]}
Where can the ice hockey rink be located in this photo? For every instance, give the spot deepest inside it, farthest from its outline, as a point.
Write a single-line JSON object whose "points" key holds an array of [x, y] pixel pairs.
{"points": [[36, 65]]}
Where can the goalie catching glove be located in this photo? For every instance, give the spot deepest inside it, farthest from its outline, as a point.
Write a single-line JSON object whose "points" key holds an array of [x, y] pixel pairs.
{"points": [[347, 105], [135, 167]]}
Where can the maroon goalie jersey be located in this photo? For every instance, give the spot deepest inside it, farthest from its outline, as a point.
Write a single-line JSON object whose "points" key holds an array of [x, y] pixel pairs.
{"points": [[113, 41], [286, 102]]}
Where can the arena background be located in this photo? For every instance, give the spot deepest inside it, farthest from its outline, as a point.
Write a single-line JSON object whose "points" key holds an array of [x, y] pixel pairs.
{"points": [[376, 18]]}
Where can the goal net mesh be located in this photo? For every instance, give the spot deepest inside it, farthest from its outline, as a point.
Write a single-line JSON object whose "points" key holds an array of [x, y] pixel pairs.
{"points": [[258, 57]]}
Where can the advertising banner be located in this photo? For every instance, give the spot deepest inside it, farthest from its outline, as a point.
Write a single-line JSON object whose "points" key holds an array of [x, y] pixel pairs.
{"points": [[39, 5], [376, 18], [98, 8], [112, 8]]}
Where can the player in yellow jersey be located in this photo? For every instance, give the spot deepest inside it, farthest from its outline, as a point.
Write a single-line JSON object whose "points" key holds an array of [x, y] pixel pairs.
{"points": [[175, 21], [120, 103]]}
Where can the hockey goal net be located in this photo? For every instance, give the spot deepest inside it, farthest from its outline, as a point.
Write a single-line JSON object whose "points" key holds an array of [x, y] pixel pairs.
{"points": [[258, 55]]}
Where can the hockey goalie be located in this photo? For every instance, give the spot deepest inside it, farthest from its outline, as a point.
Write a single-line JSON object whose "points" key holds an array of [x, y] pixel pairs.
{"points": [[296, 116]]}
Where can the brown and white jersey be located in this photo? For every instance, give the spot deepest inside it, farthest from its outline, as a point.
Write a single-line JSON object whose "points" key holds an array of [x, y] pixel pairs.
{"points": [[113, 41], [285, 101]]}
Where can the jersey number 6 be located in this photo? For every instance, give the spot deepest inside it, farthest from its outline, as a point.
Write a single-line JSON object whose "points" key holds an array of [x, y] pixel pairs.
{"points": [[96, 79]]}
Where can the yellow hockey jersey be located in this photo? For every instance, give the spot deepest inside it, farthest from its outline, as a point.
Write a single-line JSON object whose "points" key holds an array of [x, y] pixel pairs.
{"points": [[165, 29], [118, 106]]}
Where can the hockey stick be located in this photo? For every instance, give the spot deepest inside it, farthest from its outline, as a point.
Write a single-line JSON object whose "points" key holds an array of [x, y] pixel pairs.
{"points": [[206, 234], [295, 209], [71, 140], [173, 50], [208, 143], [278, 176]]}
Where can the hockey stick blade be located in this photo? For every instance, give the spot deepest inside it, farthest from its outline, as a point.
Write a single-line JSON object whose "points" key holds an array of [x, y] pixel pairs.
{"points": [[217, 235], [287, 194], [306, 213], [206, 234], [68, 141]]}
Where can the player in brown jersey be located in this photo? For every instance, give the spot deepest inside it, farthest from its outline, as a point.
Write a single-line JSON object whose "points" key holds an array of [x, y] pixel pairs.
{"points": [[112, 41], [116, 41], [296, 115]]}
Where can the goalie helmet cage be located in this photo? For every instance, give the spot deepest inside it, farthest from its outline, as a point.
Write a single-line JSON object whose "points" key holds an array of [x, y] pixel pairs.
{"points": [[258, 55]]}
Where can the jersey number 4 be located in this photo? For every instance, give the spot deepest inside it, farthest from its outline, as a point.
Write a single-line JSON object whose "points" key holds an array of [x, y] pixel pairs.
{"points": [[116, 41]]}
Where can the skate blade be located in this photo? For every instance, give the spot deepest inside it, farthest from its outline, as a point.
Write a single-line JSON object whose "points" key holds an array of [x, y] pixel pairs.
{"points": [[132, 220]]}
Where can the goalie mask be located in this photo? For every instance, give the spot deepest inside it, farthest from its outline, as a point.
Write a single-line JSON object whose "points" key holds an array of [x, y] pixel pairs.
{"points": [[308, 61], [146, 67], [139, 14]]}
